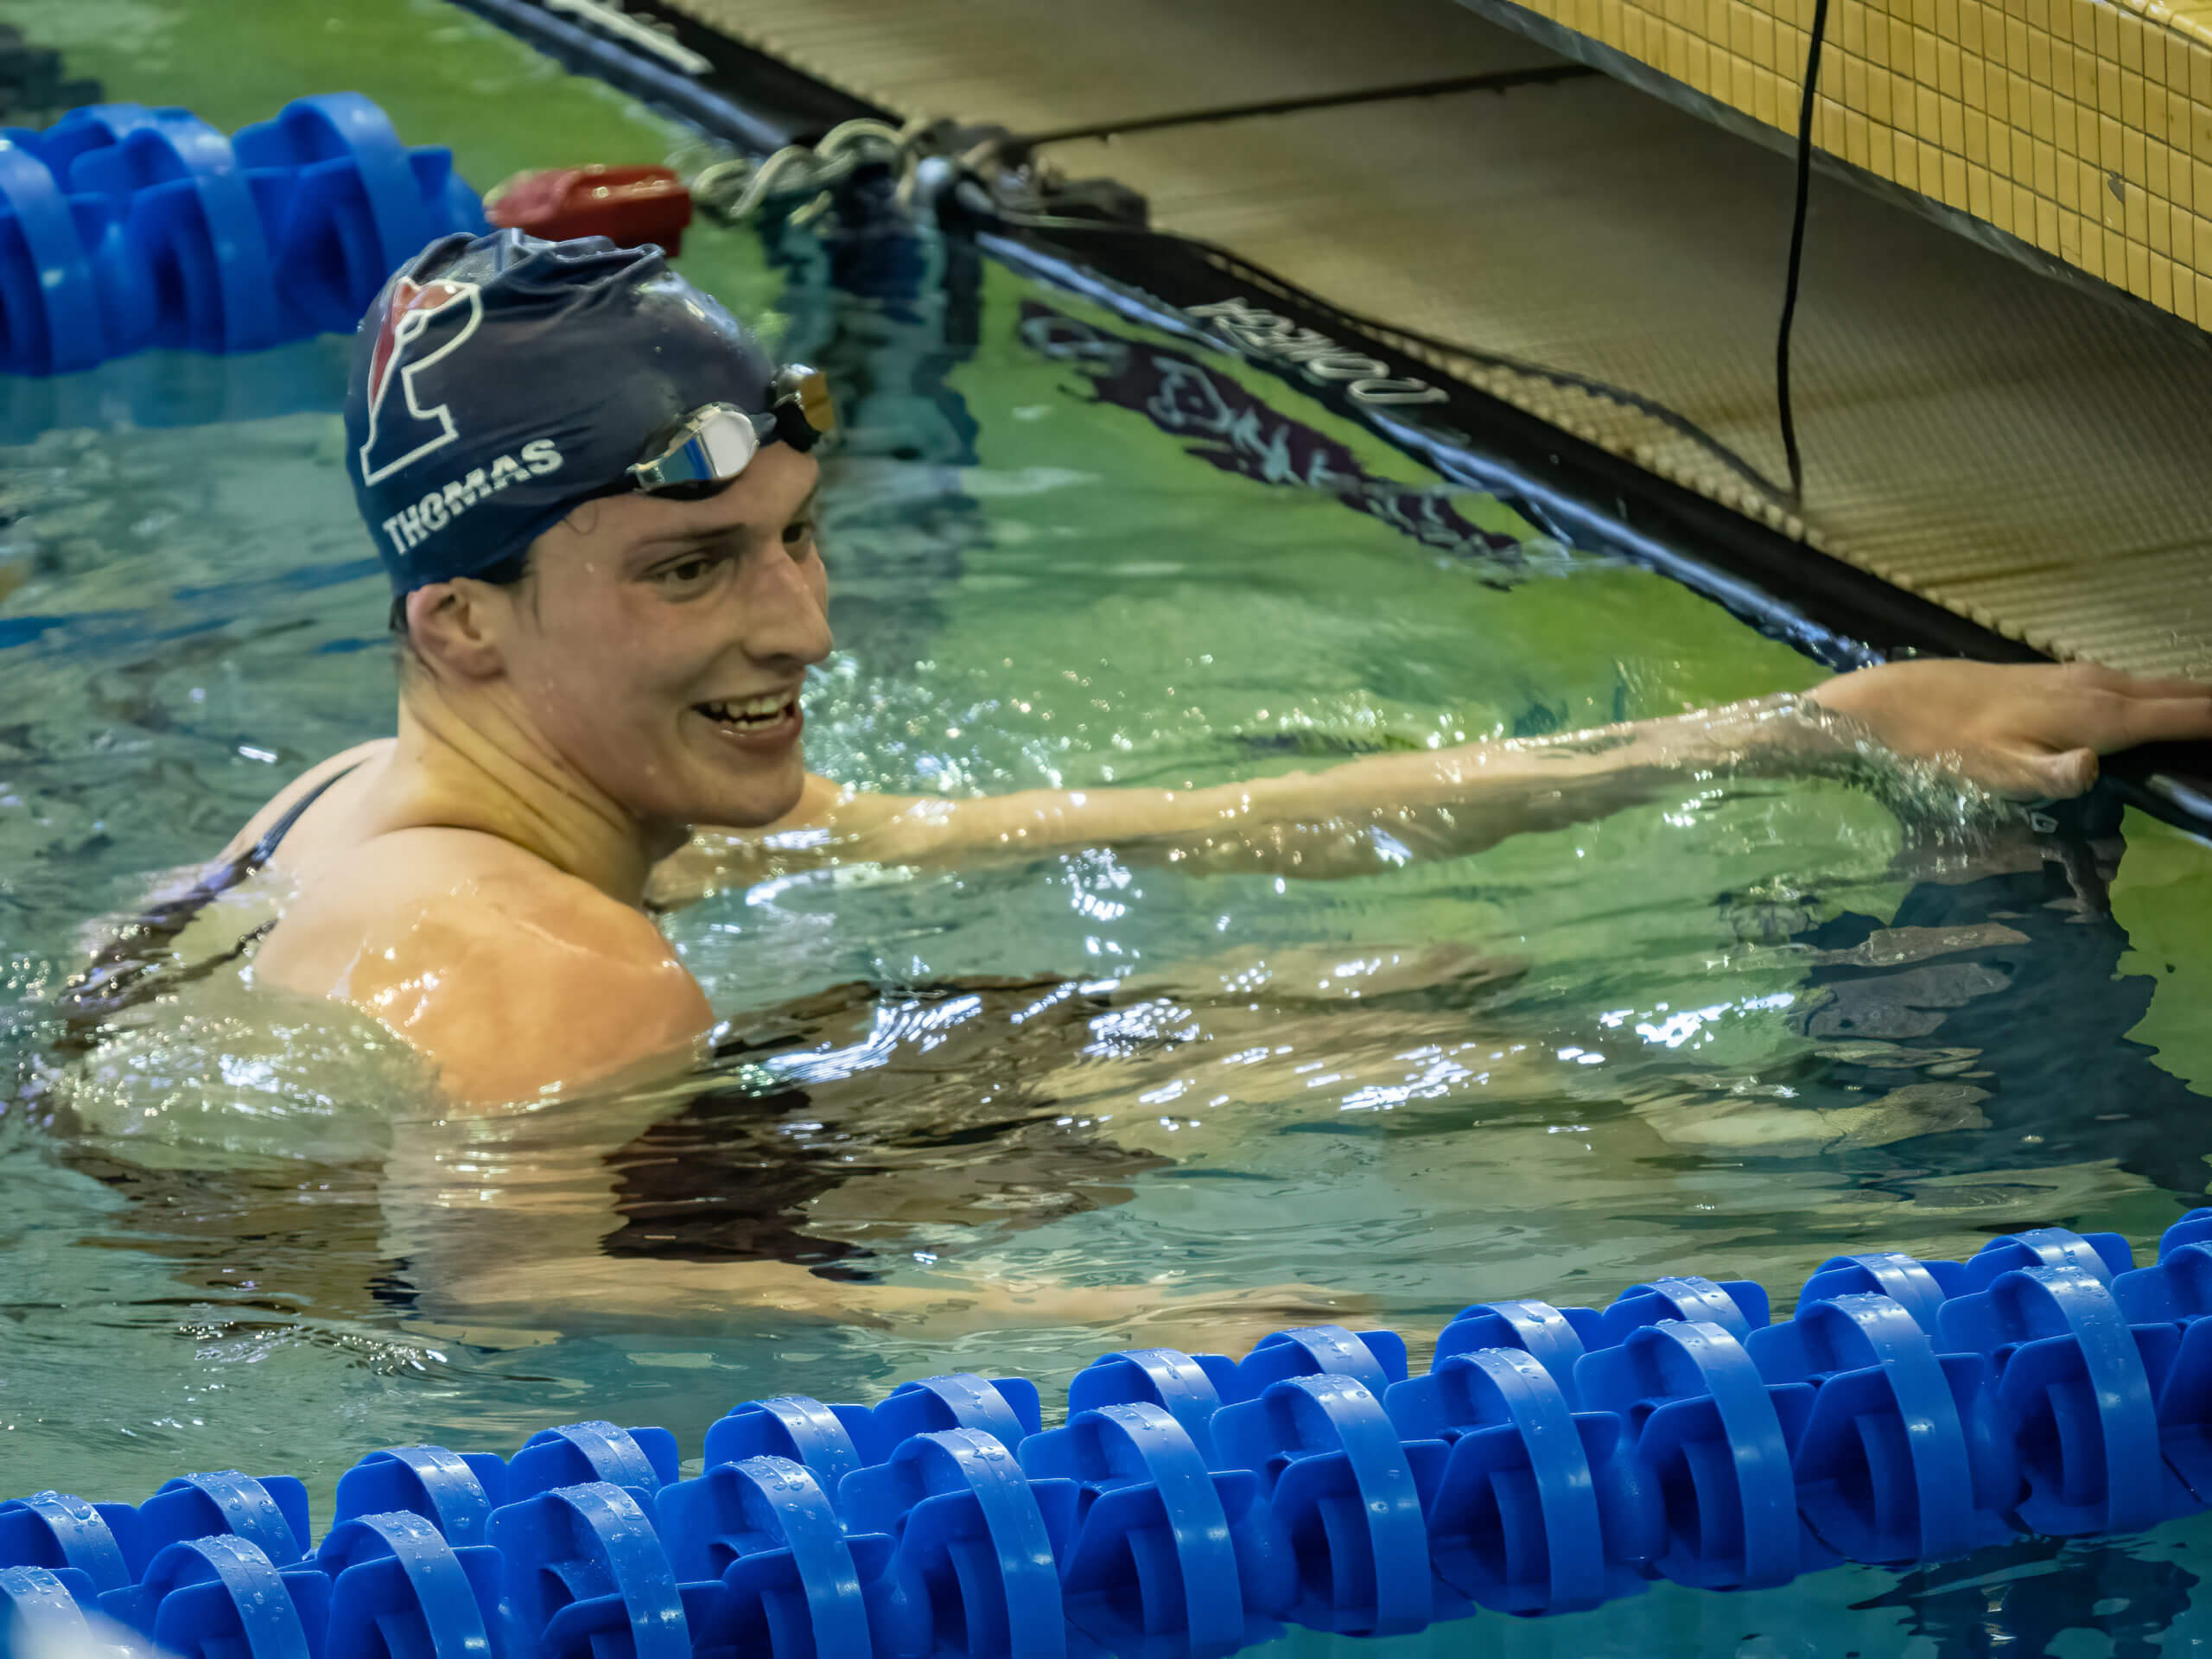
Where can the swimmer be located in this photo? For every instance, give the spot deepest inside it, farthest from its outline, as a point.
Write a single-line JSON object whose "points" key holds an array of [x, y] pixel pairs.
{"points": [[596, 494]]}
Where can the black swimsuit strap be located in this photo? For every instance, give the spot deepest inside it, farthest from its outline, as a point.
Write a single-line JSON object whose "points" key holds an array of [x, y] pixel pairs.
{"points": [[118, 975]]}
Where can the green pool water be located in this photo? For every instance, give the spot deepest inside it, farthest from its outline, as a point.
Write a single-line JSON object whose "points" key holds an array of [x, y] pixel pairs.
{"points": [[1734, 1032]]}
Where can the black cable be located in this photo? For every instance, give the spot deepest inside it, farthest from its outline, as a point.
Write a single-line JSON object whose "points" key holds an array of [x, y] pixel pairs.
{"points": [[1805, 112], [1495, 81]]}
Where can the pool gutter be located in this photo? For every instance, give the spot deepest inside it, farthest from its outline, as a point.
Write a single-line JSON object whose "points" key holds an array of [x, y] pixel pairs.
{"points": [[1835, 612]]}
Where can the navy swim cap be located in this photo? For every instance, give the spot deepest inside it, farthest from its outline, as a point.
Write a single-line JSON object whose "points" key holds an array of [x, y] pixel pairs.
{"points": [[499, 381]]}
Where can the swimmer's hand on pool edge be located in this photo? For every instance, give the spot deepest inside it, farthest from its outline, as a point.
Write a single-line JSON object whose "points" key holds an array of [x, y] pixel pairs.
{"points": [[2026, 732]]}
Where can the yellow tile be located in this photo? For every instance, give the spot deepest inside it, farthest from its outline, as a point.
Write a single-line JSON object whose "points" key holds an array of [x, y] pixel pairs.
{"points": [[2046, 225], [2200, 73], [1954, 181], [2085, 132], [1856, 149], [2109, 147], [2200, 249], [1880, 156], [2068, 192], [2162, 226], [1905, 166], [2131, 33], [2134, 157], [2038, 12], [2116, 257], [1922, 13], [2038, 55], [1854, 84], [1998, 139], [1997, 90], [2107, 85], [2085, 69], [1953, 132], [2046, 169], [1978, 193], [2142, 105], [1927, 113], [1632, 35], [1763, 39], [1974, 137], [2138, 271], [2019, 52], [2199, 196], [2136, 222], [2036, 103], [2107, 36], [2024, 208], [2203, 312], [2074, 247], [2185, 295], [1970, 28], [2157, 160], [1763, 102], [2179, 109], [2162, 282], [2001, 198], [1878, 96], [1922, 63], [2069, 19], [1946, 68]]}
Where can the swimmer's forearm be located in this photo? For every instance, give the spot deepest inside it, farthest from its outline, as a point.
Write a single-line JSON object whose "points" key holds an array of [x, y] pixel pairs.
{"points": [[1352, 819]]}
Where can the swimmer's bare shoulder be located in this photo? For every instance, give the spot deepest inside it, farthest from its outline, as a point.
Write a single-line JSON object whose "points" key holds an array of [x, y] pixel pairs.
{"points": [[507, 974]]}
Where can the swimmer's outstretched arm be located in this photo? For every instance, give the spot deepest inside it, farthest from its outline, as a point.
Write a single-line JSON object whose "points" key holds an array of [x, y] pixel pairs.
{"points": [[2026, 732]]}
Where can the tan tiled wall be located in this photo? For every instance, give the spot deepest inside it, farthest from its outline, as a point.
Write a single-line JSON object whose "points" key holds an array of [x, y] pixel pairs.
{"points": [[2083, 128]]}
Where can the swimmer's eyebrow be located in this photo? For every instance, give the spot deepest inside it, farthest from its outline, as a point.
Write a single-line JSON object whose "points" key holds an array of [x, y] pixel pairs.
{"points": [[677, 541]]}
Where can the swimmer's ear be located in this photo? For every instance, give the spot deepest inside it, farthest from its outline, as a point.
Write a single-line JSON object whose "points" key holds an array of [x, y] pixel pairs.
{"points": [[451, 626]]}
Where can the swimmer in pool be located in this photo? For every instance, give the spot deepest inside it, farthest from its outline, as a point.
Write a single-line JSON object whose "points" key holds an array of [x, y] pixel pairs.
{"points": [[595, 492]]}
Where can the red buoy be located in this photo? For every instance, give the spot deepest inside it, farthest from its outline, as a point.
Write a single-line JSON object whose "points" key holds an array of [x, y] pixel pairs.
{"points": [[630, 206]]}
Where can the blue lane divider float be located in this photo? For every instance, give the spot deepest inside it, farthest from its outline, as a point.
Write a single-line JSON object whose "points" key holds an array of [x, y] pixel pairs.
{"points": [[1549, 1460], [123, 227]]}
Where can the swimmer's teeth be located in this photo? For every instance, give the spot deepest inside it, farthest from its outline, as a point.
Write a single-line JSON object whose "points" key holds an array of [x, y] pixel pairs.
{"points": [[751, 711]]}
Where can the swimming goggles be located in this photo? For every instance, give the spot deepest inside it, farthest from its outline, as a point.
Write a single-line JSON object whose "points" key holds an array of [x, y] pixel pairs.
{"points": [[715, 442]]}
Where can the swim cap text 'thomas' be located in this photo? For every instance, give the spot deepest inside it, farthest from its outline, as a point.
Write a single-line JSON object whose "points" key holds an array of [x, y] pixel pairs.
{"points": [[500, 381]]}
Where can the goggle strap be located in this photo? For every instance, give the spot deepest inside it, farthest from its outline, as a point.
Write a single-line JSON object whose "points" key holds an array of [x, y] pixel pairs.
{"points": [[792, 426]]}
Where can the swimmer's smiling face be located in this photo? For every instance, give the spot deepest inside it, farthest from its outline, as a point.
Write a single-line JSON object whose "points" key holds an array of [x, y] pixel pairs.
{"points": [[661, 645]]}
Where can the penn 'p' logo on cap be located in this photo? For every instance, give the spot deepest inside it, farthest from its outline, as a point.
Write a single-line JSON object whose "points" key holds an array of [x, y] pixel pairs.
{"points": [[423, 325]]}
